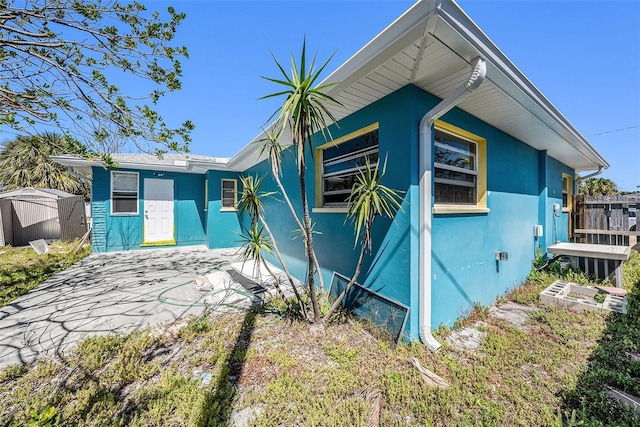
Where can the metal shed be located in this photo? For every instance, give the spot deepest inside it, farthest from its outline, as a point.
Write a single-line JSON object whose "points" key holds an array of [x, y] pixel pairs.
{"points": [[28, 214]]}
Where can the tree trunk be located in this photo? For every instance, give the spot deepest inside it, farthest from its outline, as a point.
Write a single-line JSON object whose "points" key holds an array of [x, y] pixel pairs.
{"points": [[306, 220], [309, 247], [300, 226]]}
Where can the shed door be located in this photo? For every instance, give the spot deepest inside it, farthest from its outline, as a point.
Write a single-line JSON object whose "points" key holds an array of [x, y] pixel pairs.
{"points": [[158, 211], [72, 217]]}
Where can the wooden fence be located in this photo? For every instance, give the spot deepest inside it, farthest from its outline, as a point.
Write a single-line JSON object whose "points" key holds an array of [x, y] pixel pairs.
{"points": [[606, 220]]}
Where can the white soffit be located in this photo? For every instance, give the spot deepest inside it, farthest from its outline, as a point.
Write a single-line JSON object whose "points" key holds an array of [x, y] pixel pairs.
{"points": [[439, 64], [431, 46]]}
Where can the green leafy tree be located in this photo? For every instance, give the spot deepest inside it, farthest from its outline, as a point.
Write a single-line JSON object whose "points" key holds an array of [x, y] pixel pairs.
{"points": [[598, 187], [58, 59], [304, 113], [25, 162]]}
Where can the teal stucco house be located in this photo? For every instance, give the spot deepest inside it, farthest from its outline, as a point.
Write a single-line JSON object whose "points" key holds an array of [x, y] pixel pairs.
{"points": [[487, 166]]}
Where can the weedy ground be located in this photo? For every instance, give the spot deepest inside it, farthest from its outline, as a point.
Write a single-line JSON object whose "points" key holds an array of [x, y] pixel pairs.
{"points": [[261, 369], [22, 269]]}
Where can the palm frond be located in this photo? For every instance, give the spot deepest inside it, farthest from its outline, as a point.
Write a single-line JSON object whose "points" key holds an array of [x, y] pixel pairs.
{"points": [[369, 199]]}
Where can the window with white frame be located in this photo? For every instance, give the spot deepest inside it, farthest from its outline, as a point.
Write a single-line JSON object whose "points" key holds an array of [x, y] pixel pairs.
{"points": [[341, 160], [457, 168], [229, 194], [124, 192]]}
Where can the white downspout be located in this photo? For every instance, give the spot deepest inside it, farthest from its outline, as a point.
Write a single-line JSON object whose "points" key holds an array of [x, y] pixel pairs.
{"points": [[582, 178], [478, 73]]}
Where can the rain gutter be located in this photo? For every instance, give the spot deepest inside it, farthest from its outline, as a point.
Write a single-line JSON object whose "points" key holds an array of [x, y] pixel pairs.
{"points": [[478, 73]]}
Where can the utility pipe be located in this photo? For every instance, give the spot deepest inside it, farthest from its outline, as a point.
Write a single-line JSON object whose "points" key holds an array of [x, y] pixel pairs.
{"points": [[478, 73], [582, 178]]}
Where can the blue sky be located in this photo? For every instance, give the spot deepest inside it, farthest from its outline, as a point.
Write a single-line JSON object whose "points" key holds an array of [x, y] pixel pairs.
{"points": [[583, 55]]}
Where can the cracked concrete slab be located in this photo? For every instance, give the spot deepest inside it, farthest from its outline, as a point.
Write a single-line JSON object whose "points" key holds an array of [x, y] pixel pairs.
{"points": [[106, 293]]}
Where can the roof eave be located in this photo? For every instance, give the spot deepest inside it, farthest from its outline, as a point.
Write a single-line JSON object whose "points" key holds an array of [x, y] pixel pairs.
{"points": [[499, 65], [190, 166]]}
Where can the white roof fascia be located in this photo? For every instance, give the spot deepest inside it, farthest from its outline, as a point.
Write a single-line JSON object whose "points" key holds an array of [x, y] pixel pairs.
{"points": [[188, 166], [503, 72], [247, 156]]}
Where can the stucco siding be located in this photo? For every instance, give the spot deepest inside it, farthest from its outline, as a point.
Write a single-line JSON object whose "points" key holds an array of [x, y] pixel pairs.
{"points": [[222, 227], [464, 269], [125, 231], [99, 196]]}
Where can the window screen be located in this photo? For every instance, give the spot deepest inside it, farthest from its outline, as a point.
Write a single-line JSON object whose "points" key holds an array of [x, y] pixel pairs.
{"points": [[124, 192], [229, 194], [455, 169], [341, 164]]}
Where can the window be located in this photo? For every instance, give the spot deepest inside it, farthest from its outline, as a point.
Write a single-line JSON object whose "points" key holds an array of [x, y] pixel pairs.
{"points": [[338, 163], [229, 194], [567, 192], [124, 192], [459, 172]]}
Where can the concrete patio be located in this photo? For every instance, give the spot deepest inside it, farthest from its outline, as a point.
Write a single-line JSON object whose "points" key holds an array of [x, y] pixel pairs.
{"points": [[116, 292]]}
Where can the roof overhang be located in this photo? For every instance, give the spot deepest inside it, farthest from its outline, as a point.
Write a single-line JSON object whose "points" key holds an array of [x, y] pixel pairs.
{"points": [[169, 163], [431, 46]]}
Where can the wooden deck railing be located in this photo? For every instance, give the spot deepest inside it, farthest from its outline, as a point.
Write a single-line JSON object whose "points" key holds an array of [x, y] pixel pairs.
{"points": [[606, 220], [606, 237]]}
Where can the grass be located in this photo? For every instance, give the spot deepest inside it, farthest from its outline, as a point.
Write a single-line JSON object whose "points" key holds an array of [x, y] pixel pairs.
{"points": [[280, 372], [22, 269]]}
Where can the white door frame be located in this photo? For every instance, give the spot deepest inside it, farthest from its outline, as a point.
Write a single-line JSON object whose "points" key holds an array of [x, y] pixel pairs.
{"points": [[159, 212]]}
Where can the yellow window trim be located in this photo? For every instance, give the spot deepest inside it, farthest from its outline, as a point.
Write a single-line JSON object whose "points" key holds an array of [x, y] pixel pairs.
{"points": [[318, 165], [481, 206], [569, 206], [206, 195]]}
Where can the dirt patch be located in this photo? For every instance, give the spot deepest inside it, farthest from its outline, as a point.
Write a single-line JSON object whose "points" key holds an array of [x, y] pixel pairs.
{"points": [[470, 337]]}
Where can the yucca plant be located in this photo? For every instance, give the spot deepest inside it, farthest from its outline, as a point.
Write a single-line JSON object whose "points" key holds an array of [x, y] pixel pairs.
{"points": [[369, 199], [253, 247], [274, 150], [252, 202], [304, 112]]}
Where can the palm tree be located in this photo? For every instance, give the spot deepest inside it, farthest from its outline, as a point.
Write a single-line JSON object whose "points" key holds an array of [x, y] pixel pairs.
{"points": [[252, 202], [25, 162], [305, 113], [598, 187], [369, 199]]}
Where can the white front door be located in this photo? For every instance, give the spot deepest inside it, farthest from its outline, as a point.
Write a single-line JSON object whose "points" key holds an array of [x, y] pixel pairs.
{"points": [[158, 210]]}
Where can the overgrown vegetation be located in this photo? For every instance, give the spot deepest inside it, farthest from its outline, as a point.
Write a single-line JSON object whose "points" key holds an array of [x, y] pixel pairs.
{"points": [[258, 366], [22, 269]]}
